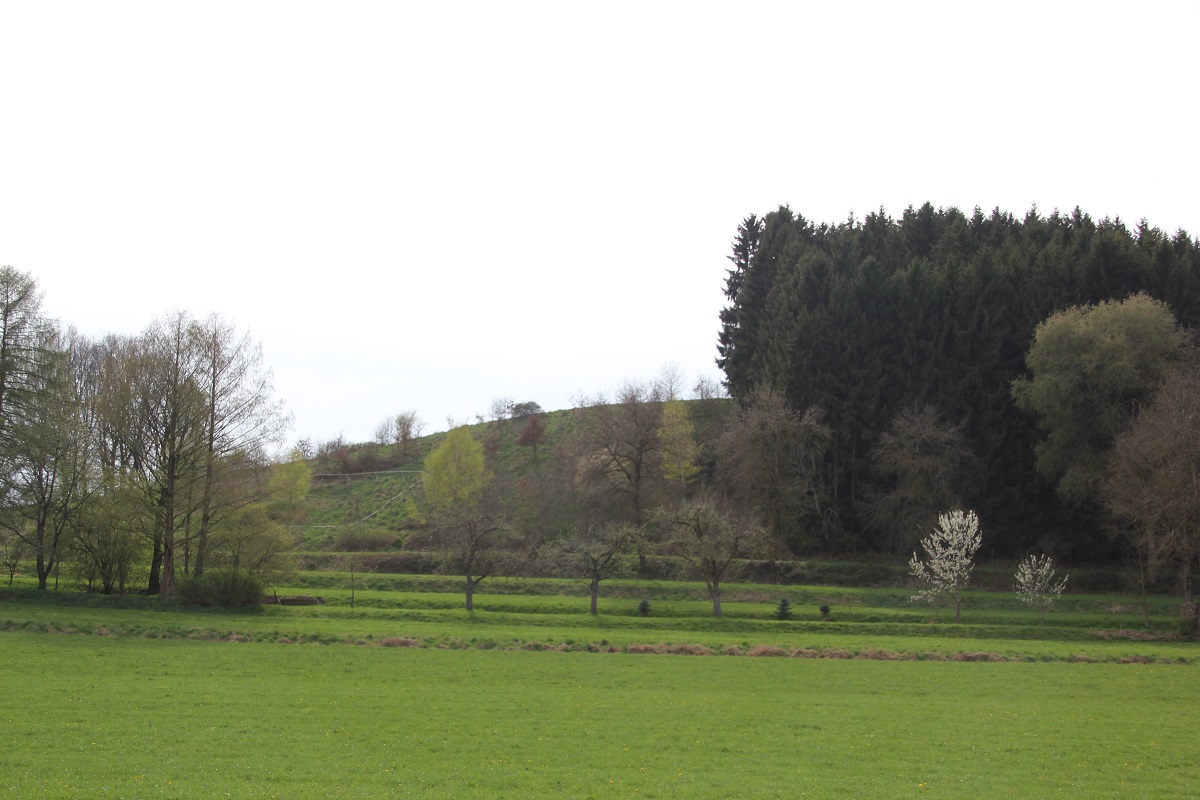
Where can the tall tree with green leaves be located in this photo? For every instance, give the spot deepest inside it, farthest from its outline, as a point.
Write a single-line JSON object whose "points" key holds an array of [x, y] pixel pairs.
{"points": [[468, 536], [677, 437], [243, 420], [1089, 367], [47, 458], [21, 326]]}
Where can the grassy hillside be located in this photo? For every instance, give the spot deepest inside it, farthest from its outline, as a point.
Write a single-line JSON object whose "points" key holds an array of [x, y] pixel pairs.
{"points": [[366, 491]]}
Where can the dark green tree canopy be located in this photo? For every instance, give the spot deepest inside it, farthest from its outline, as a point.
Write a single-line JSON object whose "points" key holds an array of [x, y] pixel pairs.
{"points": [[935, 309]]}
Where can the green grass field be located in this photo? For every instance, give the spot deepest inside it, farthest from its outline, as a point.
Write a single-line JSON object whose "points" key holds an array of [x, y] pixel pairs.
{"points": [[126, 697], [110, 717]]}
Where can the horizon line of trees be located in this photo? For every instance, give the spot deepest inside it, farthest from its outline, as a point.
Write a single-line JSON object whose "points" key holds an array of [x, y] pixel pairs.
{"points": [[979, 361]]}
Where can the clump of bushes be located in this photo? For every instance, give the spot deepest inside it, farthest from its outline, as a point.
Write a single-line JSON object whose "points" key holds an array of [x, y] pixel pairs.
{"points": [[221, 589]]}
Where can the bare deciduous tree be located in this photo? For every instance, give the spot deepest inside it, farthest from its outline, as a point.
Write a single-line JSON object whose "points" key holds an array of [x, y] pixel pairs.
{"points": [[595, 552], [408, 427], [926, 463], [771, 459], [385, 431], [1153, 484], [620, 443], [710, 541]]}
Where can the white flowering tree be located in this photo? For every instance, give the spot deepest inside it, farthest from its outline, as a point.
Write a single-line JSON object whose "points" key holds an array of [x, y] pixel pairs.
{"points": [[950, 551], [1035, 583]]}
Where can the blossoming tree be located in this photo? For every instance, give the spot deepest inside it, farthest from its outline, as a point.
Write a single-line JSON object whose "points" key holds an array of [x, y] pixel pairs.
{"points": [[950, 551]]}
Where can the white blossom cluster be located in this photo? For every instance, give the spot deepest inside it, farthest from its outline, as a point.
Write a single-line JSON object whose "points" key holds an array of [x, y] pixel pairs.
{"points": [[951, 550], [1036, 584]]}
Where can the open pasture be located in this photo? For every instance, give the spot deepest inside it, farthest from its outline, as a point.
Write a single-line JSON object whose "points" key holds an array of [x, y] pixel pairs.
{"points": [[131, 717], [133, 697]]}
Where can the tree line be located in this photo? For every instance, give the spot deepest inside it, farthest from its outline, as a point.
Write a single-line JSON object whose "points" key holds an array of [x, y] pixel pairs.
{"points": [[139, 458], [911, 341]]}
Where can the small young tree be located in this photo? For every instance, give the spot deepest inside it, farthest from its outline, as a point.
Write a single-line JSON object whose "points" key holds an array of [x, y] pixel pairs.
{"points": [[406, 429], [680, 452], [533, 434], [951, 550], [469, 538], [595, 552], [12, 552], [1035, 583], [385, 431], [710, 541]]}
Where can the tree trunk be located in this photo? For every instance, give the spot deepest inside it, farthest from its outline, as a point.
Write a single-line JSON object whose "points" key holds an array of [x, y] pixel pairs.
{"points": [[1188, 597], [43, 572], [595, 593], [155, 566], [715, 592], [470, 593], [167, 584]]}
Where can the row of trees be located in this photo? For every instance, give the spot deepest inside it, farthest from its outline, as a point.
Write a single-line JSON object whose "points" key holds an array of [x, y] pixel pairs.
{"points": [[137, 455], [476, 539], [910, 340]]}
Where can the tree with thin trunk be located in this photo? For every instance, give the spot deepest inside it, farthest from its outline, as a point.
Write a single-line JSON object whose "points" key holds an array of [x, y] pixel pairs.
{"points": [[710, 542], [243, 421], [12, 553], [454, 483], [21, 328], [950, 556], [677, 436], [533, 434], [1035, 583], [596, 552], [407, 428], [47, 458]]}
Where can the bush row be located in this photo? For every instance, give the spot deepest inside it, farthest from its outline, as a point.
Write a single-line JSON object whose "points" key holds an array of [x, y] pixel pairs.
{"points": [[858, 574]]}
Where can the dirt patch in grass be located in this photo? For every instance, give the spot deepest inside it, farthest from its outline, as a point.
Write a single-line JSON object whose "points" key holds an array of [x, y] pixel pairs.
{"points": [[1135, 635], [398, 641], [978, 656], [766, 650]]}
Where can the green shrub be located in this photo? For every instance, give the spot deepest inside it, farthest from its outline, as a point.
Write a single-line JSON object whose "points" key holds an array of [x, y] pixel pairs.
{"points": [[221, 589], [784, 611]]}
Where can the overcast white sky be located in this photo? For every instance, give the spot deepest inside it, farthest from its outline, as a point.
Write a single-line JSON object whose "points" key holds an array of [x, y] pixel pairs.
{"points": [[433, 205]]}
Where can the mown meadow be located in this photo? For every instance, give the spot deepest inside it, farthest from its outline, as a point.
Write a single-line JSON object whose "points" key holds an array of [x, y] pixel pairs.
{"points": [[405, 694]]}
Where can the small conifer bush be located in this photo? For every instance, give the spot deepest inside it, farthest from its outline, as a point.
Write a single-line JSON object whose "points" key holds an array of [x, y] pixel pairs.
{"points": [[785, 609]]}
